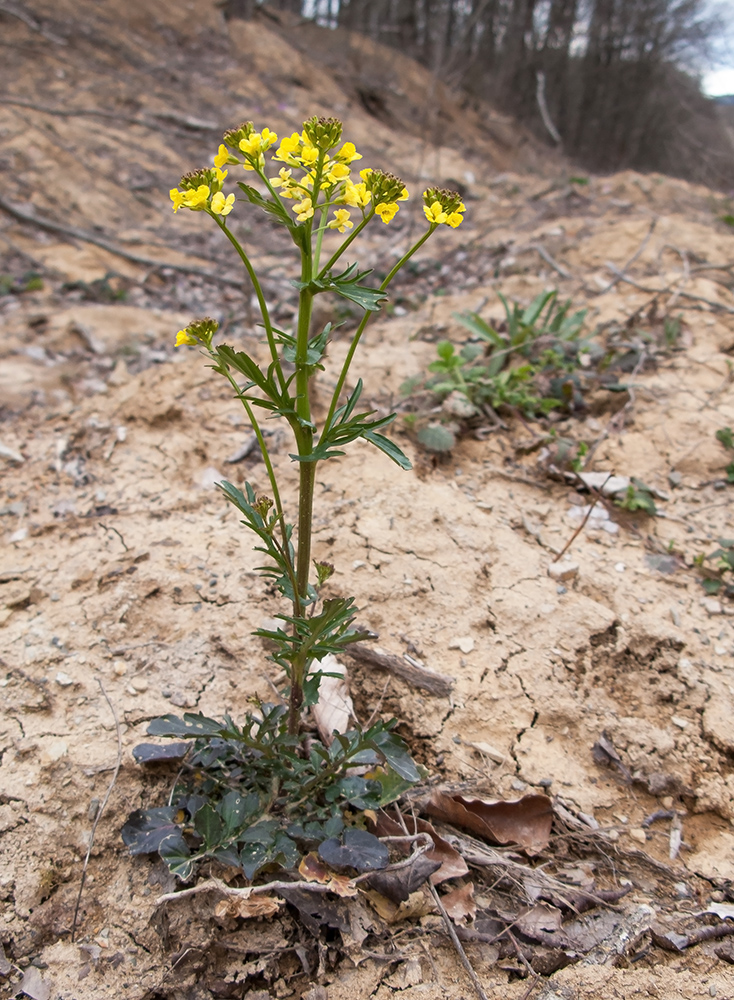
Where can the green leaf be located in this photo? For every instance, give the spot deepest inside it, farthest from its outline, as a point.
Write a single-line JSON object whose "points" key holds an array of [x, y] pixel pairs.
{"points": [[396, 753], [726, 437], [235, 809], [269, 205], [176, 854], [191, 725], [209, 826], [347, 285], [389, 448], [476, 325]]}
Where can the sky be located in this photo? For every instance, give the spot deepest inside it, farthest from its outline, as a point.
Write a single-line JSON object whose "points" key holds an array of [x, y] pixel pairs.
{"points": [[719, 81]]}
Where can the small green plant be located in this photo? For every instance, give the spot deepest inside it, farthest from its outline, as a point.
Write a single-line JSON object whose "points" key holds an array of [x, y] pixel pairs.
{"points": [[638, 497], [528, 365], [726, 437], [260, 793], [718, 579]]}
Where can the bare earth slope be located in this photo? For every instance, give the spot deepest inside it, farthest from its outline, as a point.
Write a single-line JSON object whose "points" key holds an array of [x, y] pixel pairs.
{"points": [[124, 577]]}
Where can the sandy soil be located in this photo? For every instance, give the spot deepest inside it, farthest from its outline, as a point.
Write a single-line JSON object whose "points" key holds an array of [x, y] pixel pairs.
{"points": [[127, 584]]}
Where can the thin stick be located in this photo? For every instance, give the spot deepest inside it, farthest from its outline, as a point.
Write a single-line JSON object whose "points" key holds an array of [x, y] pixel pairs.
{"points": [[581, 527], [630, 262], [542, 252], [101, 809], [100, 241], [668, 288], [457, 944]]}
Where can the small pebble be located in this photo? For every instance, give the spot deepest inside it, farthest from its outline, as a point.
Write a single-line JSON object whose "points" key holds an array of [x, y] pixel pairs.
{"points": [[667, 802], [563, 570], [464, 642], [63, 680], [140, 684], [620, 567], [638, 834], [518, 785], [680, 723], [675, 617], [120, 668]]}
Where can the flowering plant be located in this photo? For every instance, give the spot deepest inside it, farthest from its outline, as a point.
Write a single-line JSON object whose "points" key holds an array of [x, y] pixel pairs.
{"points": [[308, 189]]}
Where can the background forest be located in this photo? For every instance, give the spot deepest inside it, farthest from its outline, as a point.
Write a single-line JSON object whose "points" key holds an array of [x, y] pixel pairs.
{"points": [[614, 79]]}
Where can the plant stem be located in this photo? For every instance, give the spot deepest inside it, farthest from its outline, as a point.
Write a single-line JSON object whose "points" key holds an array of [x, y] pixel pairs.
{"points": [[365, 320], [260, 296], [350, 239]]}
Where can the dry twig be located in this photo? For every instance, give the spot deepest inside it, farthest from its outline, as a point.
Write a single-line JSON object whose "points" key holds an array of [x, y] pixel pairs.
{"points": [[620, 273], [101, 809], [457, 944], [413, 673]]}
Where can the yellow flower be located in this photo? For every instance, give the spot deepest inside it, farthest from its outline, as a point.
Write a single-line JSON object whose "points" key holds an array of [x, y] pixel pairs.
{"points": [[221, 205], [435, 214], [178, 198], [404, 195], [309, 155], [304, 210], [288, 146], [182, 337], [338, 172], [387, 210], [220, 175], [355, 195], [348, 153], [341, 220], [443, 206], [196, 199], [223, 156], [268, 139]]}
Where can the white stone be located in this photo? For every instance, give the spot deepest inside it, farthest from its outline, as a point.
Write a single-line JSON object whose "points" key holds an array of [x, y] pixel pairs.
{"points": [[63, 680], [564, 570], [465, 643]]}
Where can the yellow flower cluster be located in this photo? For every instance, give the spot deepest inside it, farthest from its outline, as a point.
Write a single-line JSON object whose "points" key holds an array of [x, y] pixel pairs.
{"points": [[316, 175], [199, 331], [202, 190], [443, 207]]}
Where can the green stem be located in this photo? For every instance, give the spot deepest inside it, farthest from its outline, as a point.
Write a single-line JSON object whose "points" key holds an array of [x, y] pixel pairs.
{"points": [[260, 297], [350, 239], [361, 328]]}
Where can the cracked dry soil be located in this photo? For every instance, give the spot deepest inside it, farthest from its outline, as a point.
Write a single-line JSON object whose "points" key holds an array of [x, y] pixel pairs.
{"points": [[122, 565]]}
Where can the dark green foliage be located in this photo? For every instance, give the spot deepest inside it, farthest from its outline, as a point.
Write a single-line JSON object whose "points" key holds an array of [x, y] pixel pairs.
{"points": [[638, 497], [718, 579], [253, 796]]}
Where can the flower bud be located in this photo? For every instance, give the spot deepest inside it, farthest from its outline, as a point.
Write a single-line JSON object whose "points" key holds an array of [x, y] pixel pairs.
{"points": [[324, 133], [233, 136]]}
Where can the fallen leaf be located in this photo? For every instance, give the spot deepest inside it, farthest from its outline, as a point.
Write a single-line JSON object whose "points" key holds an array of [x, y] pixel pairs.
{"points": [[250, 907], [334, 709], [452, 863], [398, 884], [417, 905], [356, 849], [539, 921], [460, 905], [526, 821], [312, 869]]}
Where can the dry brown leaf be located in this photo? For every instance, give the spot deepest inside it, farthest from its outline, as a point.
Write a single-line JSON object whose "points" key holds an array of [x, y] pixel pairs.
{"points": [[259, 906], [417, 905], [452, 863], [334, 709], [313, 869], [526, 821], [540, 920], [460, 905]]}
